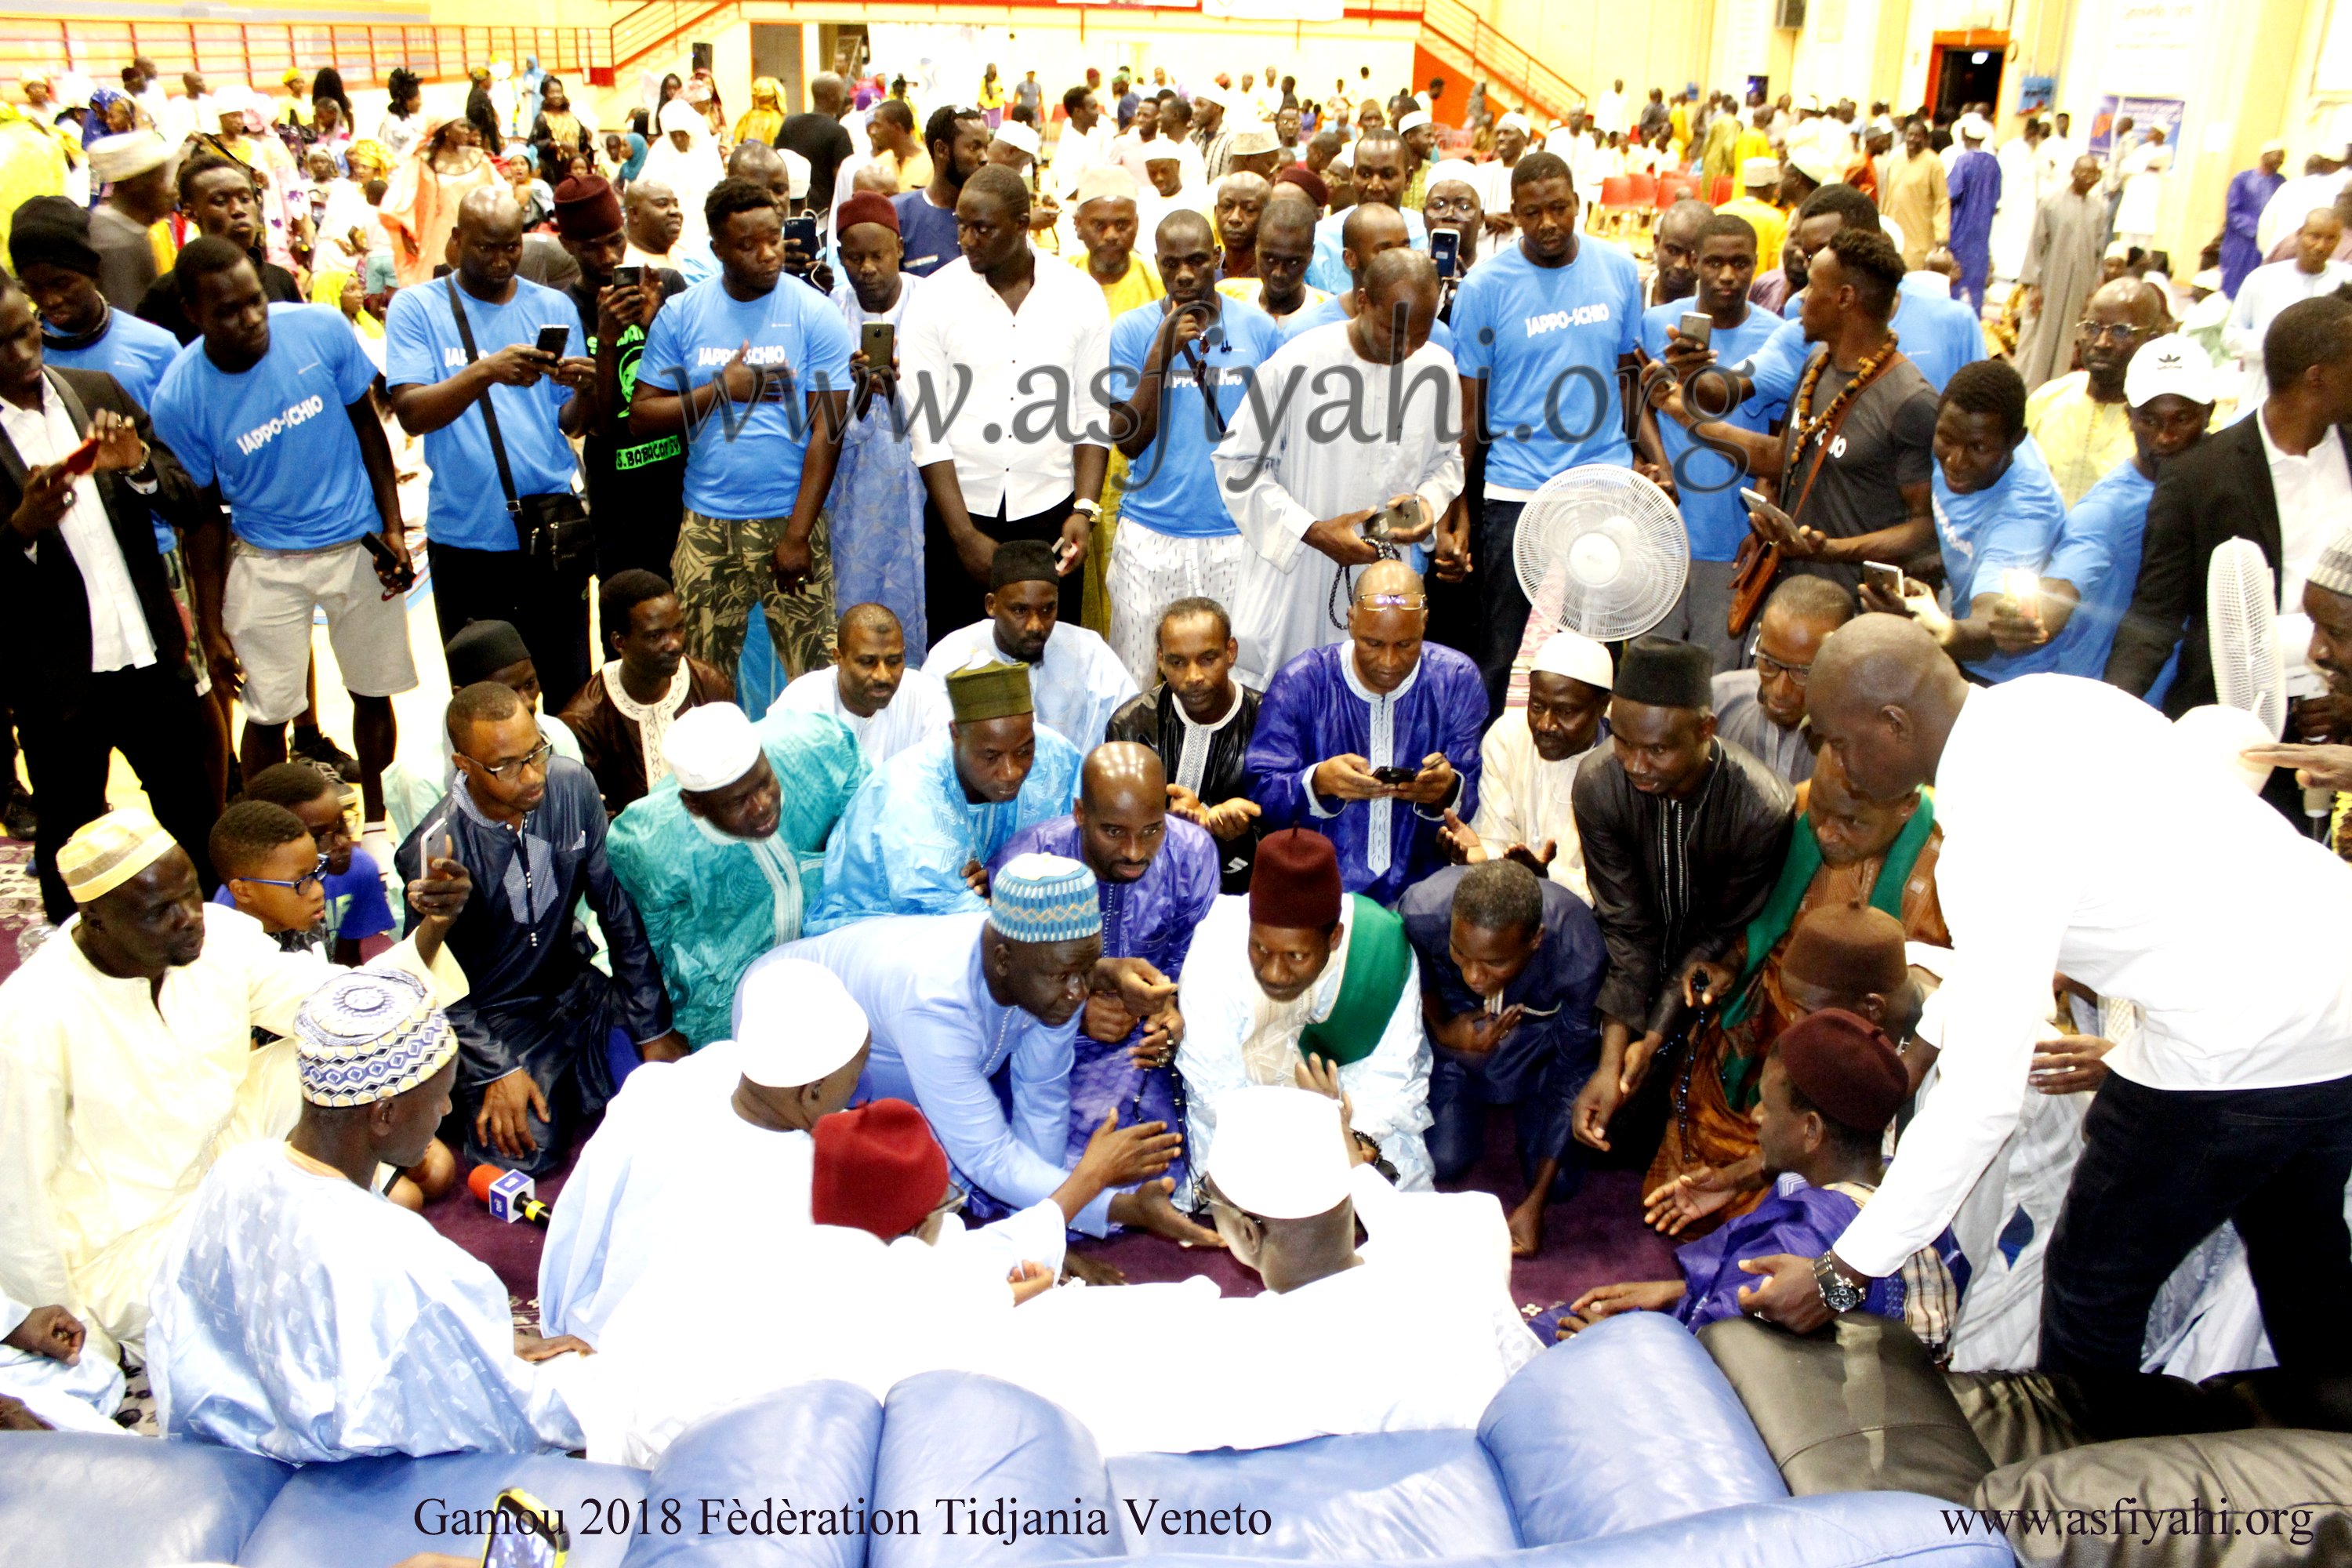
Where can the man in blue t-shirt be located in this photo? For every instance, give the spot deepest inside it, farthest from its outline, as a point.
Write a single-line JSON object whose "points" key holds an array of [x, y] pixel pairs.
{"points": [[752, 368], [1543, 331], [1708, 478], [1998, 511], [956, 140], [441, 387], [1176, 539], [1383, 168], [252, 409]]}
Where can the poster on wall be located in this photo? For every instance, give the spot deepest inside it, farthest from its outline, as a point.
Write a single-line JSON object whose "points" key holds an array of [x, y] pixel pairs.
{"points": [[2153, 47], [2169, 112], [2036, 93]]}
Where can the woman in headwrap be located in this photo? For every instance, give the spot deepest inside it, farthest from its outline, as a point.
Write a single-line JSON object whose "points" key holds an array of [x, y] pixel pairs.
{"points": [[111, 114], [483, 115], [684, 160], [703, 93], [421, 206], [405, 125], [556, 134], [766, 116], [624, 156]]}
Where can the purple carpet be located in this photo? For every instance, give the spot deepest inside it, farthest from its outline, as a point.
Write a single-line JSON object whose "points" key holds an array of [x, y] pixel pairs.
{"points": [[1596, 1237]]}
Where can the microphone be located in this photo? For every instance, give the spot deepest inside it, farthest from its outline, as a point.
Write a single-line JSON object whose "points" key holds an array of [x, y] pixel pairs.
{"points": [[507, 1194]]}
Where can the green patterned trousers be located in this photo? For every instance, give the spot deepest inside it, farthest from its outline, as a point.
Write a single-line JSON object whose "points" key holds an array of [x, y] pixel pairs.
{"points": [[725, 565]]}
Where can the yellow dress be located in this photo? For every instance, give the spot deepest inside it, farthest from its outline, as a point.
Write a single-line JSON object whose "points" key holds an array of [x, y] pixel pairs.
{"points": [[766, 116]]}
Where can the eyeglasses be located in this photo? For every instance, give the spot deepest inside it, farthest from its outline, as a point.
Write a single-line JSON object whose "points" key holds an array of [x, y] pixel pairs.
{"points": [[534, 758], [2091, 331], [302, 884], [1766, 667]]}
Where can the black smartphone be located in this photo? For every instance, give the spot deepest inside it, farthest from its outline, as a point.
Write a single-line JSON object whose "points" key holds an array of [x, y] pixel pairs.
{"points": [[552, 339], [1396, 775], [524, 1533], [1445, 249], [377, 548], [802, 231], [627, 277], [879, 341], [1697, 327]]}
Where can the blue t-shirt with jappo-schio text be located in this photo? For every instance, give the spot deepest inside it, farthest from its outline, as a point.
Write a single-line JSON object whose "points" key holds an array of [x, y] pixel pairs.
{"points": [[136, 354], [743, 460], [275, 437], [1170, 487], [1545, 341]]}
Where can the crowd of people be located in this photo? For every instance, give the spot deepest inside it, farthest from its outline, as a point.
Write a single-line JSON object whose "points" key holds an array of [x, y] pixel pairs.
{"points": [[1066, 750]]}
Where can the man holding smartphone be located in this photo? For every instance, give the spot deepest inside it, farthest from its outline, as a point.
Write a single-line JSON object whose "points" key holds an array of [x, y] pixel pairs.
{"points": [[524, 362], [635, 488]]}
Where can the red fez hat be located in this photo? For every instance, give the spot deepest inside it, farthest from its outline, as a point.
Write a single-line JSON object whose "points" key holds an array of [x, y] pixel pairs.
{"points": [[586, 208], [1841, 1062], [1295, 885], [1307, 180], [866, 206], [877, 1168]]}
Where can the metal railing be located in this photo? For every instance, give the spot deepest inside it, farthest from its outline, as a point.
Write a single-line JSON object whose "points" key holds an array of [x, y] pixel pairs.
{"points": [[261, 52], [1476, 47]]}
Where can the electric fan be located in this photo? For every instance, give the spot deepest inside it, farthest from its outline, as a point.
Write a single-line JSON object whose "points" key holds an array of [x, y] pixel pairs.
{"points": [[1600, 550], [2242, 625]]}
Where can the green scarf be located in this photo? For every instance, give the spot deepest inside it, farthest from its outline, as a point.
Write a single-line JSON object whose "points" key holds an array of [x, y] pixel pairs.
{"points": [[1379, 960], [1779, 912]]}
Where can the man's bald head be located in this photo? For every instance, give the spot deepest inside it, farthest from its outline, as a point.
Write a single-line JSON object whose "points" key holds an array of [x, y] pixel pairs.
{"points": [[490, 211], [1399, 275], [1370, 231], [2132, 298], [829, 95], [1183, 227], [1682, 221], [762, 165], [1384, 579], [487, 245], [1882, 697], [1122, 810], [1289, 210], [1245, 185]]}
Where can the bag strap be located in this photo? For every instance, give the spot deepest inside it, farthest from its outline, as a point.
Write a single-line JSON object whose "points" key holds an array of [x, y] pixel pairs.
{"points": [[1829, 432], [489, 414]]}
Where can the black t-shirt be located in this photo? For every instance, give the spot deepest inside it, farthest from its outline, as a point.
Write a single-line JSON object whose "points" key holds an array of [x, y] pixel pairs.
{"points": [[825, 143], [161, 304], [1885, 441], [629, 479]]}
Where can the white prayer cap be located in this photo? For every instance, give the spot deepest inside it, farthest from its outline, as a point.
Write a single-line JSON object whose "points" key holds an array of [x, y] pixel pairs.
{"points": [[1816, 165], [1514, 120], [711, 746], [2215, 736], [1460, 169], [799, 1022], [2275, 144], [2117, 250], [1413, 121], [2171, 364], [1760, 171], [233, 97], [796, 174], [1105, 182], [1210, 93], [1975, 127], [1278, 1153], [1019, 137], [1579, 657]]}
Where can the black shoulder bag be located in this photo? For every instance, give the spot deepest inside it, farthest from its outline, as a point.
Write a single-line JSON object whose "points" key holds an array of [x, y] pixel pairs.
{"points": [[551, 530]]}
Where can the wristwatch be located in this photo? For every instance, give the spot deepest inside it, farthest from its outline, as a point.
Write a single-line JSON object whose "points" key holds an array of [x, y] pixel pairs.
{"points": [[1089, 506], [1839, 1294]]}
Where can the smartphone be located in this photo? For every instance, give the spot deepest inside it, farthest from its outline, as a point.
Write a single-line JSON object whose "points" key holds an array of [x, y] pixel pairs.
{"points": [[1395, 775], [377, 548], [1887, 580], [1388, 521], [627, 277], [553, 341], [802, 231], [83, 459], [1445, 249], [879, 341], [1755, 497], [1697, 327], [524, 1533]]}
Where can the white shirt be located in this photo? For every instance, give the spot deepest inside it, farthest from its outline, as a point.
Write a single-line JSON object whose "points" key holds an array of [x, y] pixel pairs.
{"points": [[118, 638], [1007, 451], [2314, 493], [2293, 201], [916, 711], [2261, 295], [1078, 151], [2178, 889], [1077, 686]]}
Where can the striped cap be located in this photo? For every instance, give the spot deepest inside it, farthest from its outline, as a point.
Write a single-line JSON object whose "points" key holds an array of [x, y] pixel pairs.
{"points": [[1044, 898], [103, 855], [368, 1035], [2332, 570]]}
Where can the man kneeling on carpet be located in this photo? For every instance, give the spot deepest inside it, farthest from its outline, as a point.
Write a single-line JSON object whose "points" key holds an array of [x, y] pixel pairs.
{"points": [[1831, 1085]]}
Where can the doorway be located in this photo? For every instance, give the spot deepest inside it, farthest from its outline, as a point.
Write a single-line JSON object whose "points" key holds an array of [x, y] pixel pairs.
{"points": [[1966, 68], [776, 52]]}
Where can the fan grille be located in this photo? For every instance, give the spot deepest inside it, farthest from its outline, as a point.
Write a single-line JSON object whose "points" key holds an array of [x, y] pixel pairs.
{"points": [[1601, 551], [2242, 618]]}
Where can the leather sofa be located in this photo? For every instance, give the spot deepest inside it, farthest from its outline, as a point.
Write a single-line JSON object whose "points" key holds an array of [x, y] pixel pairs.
{"points": [[1624, 1448]]}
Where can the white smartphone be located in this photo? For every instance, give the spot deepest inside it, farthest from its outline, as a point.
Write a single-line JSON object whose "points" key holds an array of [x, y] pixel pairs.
{"points": [[1754, 498], [1887, 580]]}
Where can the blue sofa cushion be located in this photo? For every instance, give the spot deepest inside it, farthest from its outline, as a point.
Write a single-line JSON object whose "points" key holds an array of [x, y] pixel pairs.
{"points": [[378, 1511], [1627, 1425], [1392, 1495], [71, 1498], [991, 1450], [808, 1447]]}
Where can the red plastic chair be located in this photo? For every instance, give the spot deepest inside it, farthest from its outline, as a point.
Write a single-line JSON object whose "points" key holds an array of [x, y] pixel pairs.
{"points": [[1616, 192], [1643, 190], [1675, 187], [1722, 191]]}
